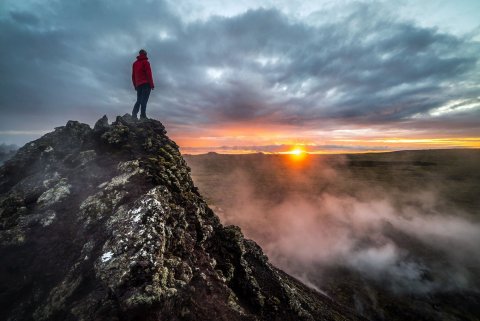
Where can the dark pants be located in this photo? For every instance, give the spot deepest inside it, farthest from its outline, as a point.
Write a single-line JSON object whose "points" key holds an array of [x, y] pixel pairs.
{"points": [[143, 92]]}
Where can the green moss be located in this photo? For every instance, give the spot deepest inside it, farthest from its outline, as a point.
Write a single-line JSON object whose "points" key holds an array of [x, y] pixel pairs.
{"points": [[117, 135]]}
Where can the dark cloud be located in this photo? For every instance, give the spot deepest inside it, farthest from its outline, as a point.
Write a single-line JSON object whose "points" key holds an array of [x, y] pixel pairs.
{"points": [[361, 66]]}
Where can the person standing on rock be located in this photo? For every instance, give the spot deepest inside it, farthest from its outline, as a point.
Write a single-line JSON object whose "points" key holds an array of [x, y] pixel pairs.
{"points": [[143, 82]]}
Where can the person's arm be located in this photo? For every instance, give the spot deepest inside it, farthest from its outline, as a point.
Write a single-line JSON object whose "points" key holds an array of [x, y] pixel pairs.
{"points": [[148, 70], [133, 77]]}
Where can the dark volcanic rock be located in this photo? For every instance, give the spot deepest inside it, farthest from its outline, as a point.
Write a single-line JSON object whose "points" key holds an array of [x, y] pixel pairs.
{"points": [[106, 224]]}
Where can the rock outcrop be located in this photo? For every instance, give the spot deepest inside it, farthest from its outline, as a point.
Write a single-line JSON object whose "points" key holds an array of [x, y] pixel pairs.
{"points": [[106, 224]]}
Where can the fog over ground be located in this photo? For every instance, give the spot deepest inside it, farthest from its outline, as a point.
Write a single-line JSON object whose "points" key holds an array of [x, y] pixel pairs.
{"points": [[407, 239]]}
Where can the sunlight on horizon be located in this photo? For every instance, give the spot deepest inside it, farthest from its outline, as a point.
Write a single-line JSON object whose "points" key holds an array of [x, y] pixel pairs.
{"points": [[329, 146], [297, 154]]}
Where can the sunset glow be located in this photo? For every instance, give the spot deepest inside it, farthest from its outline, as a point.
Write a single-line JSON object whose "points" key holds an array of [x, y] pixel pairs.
{"points": [[286, 142], [297, 153]]}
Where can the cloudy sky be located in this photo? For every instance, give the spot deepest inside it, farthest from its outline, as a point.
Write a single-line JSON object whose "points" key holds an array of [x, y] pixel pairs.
{"points": [[250, 75]]}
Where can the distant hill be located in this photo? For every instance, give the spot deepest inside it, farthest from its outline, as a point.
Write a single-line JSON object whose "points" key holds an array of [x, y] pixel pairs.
{"points": [[6, 152]]}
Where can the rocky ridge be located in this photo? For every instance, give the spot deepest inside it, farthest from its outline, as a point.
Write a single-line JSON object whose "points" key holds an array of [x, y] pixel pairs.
{"points": [[106, 224]]}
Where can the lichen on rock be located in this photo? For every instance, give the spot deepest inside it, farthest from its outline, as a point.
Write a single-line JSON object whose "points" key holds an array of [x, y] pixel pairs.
{"points": [[55, 194]]}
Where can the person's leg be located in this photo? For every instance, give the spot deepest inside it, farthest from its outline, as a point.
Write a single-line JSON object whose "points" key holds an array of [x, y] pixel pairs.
{"points": [[137, 104], [145, 95]]}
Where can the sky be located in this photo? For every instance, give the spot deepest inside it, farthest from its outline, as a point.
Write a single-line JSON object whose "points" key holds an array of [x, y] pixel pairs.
{"points": [[249, 76]]}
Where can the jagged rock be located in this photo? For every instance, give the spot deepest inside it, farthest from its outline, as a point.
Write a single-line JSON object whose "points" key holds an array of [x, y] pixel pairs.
{"points": [[101, 125], [106, 224]]}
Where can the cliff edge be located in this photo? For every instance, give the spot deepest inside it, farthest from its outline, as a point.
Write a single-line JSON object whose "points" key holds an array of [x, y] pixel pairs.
{"points": [[106, 224]]}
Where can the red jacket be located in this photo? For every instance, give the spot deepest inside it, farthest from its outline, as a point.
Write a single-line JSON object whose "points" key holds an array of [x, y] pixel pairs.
{"points": [[141, 72]]}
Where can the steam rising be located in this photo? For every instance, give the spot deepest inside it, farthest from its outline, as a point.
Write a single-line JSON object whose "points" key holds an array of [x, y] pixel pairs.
{"points": [[406, 240]]}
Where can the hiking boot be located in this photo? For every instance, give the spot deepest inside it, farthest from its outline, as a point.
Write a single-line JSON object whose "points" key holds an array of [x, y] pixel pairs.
{"points": [[134, 116], [143, 117]]}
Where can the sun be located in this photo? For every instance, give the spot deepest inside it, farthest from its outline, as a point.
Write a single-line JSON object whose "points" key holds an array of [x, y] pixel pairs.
{"points": [[297, 153]]}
